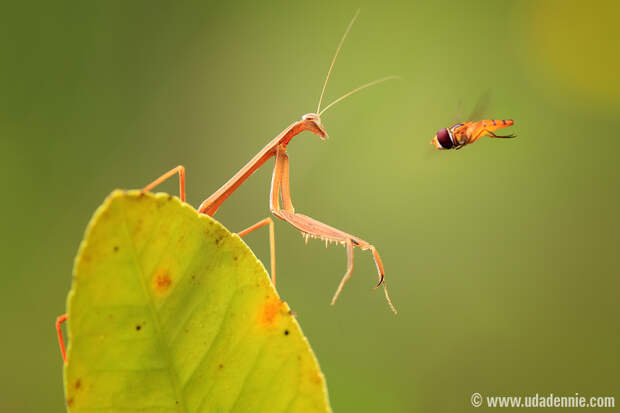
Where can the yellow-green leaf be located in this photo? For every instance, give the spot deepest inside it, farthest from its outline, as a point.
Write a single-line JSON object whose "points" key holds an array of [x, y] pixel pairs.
{"points": [[170, 312]]}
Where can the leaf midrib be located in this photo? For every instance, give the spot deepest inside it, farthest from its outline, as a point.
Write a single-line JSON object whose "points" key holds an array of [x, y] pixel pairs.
{"points": [[165, 351]]}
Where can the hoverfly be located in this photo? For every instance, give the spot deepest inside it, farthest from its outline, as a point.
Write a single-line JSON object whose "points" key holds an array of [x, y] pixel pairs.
{"points": [[462, 134], [465, 133]]}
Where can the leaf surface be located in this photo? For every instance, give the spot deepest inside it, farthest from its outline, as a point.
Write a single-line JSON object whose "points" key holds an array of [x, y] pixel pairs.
{"points": [[170, 312]]}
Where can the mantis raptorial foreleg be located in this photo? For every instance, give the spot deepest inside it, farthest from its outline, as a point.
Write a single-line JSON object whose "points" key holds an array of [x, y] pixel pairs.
{"points": [[309, 227], [348, 273]]}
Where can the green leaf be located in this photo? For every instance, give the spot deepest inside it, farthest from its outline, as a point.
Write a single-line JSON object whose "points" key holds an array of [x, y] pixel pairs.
{"points": [[170, 312]]}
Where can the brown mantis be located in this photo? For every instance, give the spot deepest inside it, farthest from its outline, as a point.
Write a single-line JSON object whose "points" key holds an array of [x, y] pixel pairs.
{"points": [[280, 191]]}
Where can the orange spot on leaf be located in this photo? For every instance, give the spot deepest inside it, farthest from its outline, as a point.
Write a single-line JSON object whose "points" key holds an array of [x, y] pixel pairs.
{"points": [[316, 378], [162, 281], [272, 310]]}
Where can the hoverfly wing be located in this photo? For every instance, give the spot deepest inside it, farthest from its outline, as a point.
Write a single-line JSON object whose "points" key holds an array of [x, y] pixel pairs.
{"points": [[481, 107], [459, 113]]}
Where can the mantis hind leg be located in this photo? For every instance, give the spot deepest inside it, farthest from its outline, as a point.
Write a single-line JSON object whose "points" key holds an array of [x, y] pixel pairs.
{"points": [[61, 342], [272, 242], [176, 170], [267, 221]]}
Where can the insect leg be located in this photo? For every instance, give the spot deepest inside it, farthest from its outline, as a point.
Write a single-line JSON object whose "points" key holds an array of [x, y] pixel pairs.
{"points": [[512, 135], [313, 228], [61, 342], [272, 242], [275, 205], [379, 264], [479, 133], [180, 170], [347, 274], [285, 187]]}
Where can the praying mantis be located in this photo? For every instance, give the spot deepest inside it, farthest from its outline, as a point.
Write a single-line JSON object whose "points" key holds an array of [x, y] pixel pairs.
{"points": [[280, 191]]}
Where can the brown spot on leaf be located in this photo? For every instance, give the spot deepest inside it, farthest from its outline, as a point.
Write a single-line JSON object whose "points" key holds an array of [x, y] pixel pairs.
{"points": [[70, 402], [138, 327], [162, 281], [78, 384], [220, 366], [115, 248]]}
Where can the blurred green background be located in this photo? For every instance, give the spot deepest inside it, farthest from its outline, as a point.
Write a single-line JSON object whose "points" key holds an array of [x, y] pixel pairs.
{"points": [[502, 257]]}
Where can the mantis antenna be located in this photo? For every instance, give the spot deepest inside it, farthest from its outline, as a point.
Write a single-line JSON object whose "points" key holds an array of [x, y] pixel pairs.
{"points": [[331, 67], [346, 95], [329, 72]]}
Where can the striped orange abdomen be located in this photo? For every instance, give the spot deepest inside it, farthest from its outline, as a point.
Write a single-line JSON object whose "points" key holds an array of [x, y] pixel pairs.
{"points": [[494, 124]]}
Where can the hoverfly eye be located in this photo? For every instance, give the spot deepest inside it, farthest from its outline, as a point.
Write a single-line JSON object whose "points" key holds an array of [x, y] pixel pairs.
{"points": [[443, 137]]}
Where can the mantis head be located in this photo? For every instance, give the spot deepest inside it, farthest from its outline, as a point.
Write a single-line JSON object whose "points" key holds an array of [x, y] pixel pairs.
{"points": [[312, 123]]}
